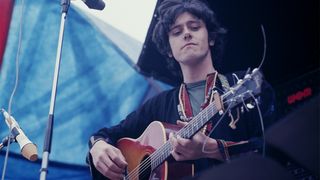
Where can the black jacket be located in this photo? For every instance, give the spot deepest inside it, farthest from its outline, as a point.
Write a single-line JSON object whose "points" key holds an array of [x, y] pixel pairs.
{"points": [[163, 107]]}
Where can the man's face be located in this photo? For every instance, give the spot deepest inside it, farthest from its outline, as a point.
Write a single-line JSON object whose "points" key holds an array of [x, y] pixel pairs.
{"points": [[188, 38]]}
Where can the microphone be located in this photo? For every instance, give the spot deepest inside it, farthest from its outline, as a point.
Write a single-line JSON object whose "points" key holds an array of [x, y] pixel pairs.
{"points": [[28, 149], [95, 4]]}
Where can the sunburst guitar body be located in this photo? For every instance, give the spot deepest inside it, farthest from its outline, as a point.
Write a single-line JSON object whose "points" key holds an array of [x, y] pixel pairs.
{"points": [[145, 159]]}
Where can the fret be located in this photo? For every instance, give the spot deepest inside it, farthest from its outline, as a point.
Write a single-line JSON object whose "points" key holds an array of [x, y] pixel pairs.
{"points": [[186, 132], [160, 155], [154, 161], [197, 125], [230, 98], [191, 129], [212, 111], [204, 117], [207, 117], [156, 158], [203, 120]]}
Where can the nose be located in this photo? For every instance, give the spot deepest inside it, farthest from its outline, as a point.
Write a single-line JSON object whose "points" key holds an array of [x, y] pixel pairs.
{"points": [[187, 36]]}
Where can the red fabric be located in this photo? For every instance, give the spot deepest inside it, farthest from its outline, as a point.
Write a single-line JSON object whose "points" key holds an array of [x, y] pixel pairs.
{"points": [[5, 18], [186, 104]]}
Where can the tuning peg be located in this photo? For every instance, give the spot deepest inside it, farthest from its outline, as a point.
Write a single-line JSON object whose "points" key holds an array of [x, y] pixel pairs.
{"points": [[247, 76], [250, 105], [239, 81], [255, 70]]}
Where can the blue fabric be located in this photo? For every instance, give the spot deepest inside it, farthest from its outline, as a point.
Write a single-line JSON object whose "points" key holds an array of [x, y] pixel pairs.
{"points": [[20, 169], [97, 87]]}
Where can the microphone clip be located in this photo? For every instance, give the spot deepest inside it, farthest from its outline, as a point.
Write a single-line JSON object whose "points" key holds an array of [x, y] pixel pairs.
{"points": [[5, 141]]}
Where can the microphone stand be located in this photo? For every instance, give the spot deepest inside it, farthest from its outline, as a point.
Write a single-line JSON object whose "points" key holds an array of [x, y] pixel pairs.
{"points": [[48, 138], [5, 141]]}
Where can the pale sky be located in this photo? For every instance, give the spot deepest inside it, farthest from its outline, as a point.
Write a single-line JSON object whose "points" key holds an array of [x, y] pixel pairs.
{"points": [[133, 17]]}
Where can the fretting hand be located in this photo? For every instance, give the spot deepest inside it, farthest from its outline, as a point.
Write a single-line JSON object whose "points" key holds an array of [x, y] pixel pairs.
{"points": [[191, 149]]}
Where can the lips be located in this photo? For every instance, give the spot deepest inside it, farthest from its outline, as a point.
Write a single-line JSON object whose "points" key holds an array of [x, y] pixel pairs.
{"points": [[188, 44]]}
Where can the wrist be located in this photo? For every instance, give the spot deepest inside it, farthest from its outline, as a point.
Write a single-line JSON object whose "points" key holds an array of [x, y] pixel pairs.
{"points": [[95, 139], [223, 149], [211, 149]]}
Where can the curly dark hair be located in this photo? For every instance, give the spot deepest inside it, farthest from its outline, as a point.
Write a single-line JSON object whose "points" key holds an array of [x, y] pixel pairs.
{"points": [[167, 13]]}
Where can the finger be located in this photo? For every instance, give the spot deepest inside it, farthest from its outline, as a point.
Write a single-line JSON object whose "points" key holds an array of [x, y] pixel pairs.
{"points": [[118, 157], [177, 156], [173, 140], [103, 168], [181, 123], [183, 142], [172, 137], [178, 140], [178, 147], [112, 175], [200, 138], [182, 150], [118, 163]]}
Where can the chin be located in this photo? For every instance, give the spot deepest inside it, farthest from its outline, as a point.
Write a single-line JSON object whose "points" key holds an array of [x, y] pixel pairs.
{"points": [[192, 57]]}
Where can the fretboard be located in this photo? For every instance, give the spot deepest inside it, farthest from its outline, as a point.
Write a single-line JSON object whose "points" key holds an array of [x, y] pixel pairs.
{"points": [[186, 132]]}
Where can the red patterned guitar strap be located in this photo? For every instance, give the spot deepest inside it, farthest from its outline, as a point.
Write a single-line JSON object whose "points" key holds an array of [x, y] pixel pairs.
{"points": [[185, 108]]}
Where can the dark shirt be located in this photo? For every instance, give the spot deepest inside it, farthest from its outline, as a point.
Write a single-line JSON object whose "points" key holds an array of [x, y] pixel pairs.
{"points": [[163, 107]]}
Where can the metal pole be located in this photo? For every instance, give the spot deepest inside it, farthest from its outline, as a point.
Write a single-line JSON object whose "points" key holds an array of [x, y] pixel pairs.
{"points": [[48, 138]]}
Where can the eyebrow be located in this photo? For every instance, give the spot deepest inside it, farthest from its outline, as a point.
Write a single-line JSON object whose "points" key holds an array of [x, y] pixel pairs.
{"points": [[188, 22]]}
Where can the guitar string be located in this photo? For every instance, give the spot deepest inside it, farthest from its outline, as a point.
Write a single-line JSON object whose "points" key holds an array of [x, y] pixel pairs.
{"points": [[135, 173], [156, 156], [166, 147], [218, 122], [147, 161]]}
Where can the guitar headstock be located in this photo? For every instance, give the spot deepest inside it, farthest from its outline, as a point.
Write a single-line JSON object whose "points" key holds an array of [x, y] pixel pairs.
{"points": [[245, 88]]}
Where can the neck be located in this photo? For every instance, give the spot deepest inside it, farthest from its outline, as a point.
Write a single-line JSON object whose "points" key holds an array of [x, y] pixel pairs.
{"points": [[197, 72]]}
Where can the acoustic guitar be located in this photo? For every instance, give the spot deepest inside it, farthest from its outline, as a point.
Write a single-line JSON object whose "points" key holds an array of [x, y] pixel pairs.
{"points": [[147, 156]]}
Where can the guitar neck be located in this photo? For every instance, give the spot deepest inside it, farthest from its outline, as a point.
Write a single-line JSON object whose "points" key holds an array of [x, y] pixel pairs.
{"points": [[242, 90], [186, 132], [198, 122]]}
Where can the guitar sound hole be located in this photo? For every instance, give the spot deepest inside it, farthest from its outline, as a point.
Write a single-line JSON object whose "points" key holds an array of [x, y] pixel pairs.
{"points": [[145, 169]]}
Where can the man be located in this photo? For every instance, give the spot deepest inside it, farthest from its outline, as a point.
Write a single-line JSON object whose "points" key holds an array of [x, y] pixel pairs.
{"points": [[188, 34]]}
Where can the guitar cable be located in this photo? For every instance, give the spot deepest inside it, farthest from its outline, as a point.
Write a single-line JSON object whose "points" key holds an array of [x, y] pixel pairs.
{"points": [[218, 122], [134, 172], [256, 101], [264, 46], [220, 119], [261, 124], [144, 165], [15, 87]]}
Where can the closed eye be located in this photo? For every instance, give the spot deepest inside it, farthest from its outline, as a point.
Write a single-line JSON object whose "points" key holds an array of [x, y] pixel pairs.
{"points": [[194, 26], [176, 31]]}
